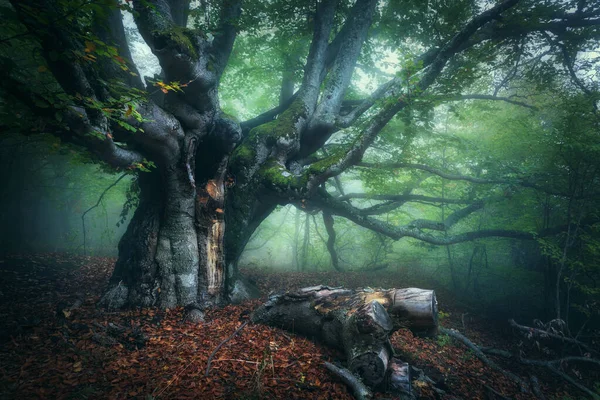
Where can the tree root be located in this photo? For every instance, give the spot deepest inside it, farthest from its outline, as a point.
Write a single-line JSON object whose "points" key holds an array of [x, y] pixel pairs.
{"points": [[462, 338], [551, 365], [546, 334], [361, 392]]}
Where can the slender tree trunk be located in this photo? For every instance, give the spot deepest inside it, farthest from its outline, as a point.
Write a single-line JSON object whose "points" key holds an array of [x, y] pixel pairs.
{"points": [[295, 249], [306, 242]]}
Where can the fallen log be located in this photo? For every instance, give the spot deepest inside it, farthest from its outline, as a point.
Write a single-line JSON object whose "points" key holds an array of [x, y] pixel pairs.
{"points": [[357, 322]]}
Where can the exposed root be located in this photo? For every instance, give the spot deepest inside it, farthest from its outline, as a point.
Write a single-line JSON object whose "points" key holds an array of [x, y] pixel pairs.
{"points": [[552, 365], [541, 333], [115, 297], [462, 338], [361, 392]]}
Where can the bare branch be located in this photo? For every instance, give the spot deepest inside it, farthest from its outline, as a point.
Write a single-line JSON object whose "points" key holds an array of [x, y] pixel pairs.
{"points": [[361, 392], [354, 34], [550, 365], [345, 210], [95, 206], [542, 333], [317, 54], [382, 208], [226, 33], [485, 97], [267, 116], [370, 132], [179, 11], [403, 198], [435, 171], [450, 221], [458, 177], [348, 119], [477, 351]]}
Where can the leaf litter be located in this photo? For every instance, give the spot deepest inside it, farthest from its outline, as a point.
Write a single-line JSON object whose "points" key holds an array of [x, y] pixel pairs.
{"points": [[55, 343]]}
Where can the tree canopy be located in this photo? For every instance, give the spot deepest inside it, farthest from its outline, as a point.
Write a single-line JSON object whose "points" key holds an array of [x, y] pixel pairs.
{"points": [[445, 122]]}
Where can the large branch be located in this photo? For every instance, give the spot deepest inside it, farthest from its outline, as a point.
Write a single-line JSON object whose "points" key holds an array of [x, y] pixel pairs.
{"points": [[226, 33], [354, 34], [459, 177], [186, 56], [335, 207], [494, 30], [450, 221], [267, 116], [179, 11], [403, 198], [85, 83], [498, 30], [340, 163], [81, 130], [108, 26], [317, 55], [484, 97]]}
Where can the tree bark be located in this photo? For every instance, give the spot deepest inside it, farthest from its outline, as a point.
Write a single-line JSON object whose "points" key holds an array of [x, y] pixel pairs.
{"points": [[359, 323], [179, 248]]}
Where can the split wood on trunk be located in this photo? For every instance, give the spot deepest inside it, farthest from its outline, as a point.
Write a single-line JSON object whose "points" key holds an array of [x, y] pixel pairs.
{"points": [[359, 323]]}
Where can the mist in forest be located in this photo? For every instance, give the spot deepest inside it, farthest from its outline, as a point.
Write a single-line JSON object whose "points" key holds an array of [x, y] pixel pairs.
{"points": [[49, 196], [380, 177]]}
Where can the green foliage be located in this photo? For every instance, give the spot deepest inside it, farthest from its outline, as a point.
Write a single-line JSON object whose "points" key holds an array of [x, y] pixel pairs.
{"points": [[443, 340]]}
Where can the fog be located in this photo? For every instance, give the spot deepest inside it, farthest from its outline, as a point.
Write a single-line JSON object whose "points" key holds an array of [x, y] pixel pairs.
{"points": [[45, 194]]}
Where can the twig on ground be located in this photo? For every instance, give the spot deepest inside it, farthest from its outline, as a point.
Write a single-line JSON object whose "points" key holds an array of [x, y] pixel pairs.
{"points": [[457, 335], [535, 387], [361, 392], [551, 364], [542, 333], [493, 394], [239, 328]]}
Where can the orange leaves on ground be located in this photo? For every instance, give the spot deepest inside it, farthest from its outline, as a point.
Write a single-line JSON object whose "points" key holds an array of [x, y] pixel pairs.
{"points": [[45, 355]]}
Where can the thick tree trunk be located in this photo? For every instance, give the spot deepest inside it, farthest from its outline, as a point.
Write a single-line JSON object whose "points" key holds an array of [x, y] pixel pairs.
{"points": [[357, 322], [174, 250]]}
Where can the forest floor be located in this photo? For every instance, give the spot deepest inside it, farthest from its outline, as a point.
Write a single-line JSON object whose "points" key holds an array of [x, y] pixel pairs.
{"points": [[52, 350]]}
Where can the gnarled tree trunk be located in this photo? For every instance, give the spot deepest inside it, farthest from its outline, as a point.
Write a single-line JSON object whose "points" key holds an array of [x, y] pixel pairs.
{"points": [[359, 323], [181, 248]]}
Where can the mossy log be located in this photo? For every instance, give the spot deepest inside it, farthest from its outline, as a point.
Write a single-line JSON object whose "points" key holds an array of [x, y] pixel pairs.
{"points": [[357, 322]]}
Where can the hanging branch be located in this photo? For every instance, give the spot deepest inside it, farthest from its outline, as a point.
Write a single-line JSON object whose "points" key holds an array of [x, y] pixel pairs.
{"points": [[96, 205]]}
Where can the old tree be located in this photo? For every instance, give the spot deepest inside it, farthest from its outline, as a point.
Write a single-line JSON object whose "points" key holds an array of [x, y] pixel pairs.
{"points": [[206, 180]]}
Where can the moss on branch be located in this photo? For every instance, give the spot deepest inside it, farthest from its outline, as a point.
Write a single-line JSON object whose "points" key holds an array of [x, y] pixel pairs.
{"points": [[184, 38]]}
